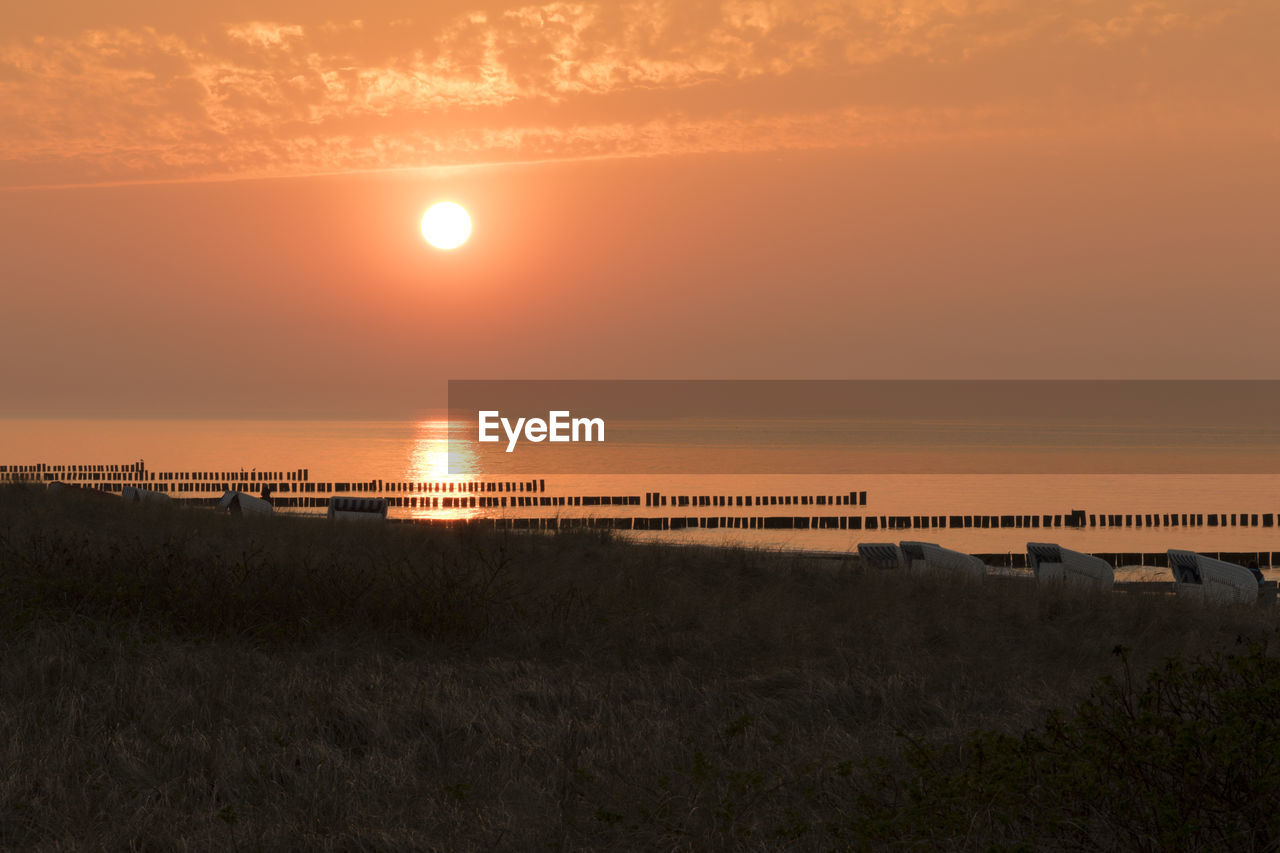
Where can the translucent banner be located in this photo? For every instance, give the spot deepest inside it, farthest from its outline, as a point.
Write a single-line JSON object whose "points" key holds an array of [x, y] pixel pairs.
{"points": [[546, 427]]}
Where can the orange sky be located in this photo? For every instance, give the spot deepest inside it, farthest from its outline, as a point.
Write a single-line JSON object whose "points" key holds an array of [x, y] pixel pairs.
{"points": [[215, 210]]}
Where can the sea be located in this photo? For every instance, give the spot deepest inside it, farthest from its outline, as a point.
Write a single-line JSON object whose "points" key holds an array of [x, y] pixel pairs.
{"points": [[417, 451]]}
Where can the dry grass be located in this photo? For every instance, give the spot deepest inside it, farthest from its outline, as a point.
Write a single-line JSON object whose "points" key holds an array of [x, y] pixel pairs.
{"points": [[172, 679]]}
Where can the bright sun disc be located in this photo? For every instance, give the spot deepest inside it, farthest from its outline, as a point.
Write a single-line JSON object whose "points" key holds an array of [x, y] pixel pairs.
{"points": [[446, 225]]}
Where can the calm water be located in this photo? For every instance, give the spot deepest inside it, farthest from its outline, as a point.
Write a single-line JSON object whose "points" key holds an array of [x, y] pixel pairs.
{"points": [[405, 451]]}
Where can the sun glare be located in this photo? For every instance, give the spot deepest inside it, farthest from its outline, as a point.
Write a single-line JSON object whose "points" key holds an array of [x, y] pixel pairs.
{"points": [[446, 225]]}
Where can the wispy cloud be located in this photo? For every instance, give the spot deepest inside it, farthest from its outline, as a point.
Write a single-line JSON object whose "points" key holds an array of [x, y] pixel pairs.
{"points": [[566, 79]]}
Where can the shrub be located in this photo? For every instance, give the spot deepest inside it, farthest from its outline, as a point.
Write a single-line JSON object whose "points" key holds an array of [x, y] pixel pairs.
{"points": [[1189, 762]]}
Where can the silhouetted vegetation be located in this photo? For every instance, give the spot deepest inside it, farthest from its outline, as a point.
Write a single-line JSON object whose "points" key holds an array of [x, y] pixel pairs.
{"points": [[175, 678], [1191, 761]]}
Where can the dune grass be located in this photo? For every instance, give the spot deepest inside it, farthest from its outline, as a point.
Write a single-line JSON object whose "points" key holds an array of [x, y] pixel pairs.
{"points": [[177, 679]]}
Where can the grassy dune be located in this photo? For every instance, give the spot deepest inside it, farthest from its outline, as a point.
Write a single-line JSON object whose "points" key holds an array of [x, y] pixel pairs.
{"points": [[175, 679]]}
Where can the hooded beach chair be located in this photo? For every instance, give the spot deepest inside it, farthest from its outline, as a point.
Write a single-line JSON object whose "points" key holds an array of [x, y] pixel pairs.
{"points": [[132, 494], [880, 555], [1200, 578], [1055, 564], [357, 509], [238, 503], [926, 557]]}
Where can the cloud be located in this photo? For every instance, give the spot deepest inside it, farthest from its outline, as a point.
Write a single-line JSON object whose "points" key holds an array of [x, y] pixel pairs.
{"points": [[568, 79], [265, 35]]}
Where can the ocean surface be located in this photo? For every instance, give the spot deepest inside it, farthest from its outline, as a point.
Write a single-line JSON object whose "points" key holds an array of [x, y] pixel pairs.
{"points": [[418, 452]]}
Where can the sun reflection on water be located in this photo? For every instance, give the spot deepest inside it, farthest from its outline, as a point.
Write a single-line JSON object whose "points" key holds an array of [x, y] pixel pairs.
{"points": [[428, 462]]}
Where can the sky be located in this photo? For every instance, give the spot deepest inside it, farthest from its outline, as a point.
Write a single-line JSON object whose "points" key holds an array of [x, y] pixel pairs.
{"points": [[214, 210]]}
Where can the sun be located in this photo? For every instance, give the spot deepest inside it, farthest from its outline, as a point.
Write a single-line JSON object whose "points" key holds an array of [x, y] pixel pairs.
{"points": [[446, 225]]}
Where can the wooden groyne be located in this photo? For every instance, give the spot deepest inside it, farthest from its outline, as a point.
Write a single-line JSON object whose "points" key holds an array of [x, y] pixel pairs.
{"points": [[504, 500], [282, 483]]}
